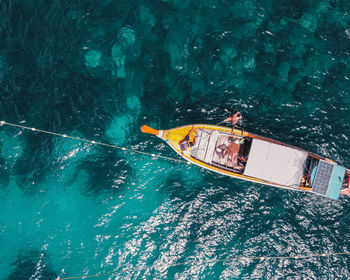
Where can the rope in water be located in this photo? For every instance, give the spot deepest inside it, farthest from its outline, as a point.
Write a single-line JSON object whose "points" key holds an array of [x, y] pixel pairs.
{"points": [[91, 141], [113, 146], [221, 260]]}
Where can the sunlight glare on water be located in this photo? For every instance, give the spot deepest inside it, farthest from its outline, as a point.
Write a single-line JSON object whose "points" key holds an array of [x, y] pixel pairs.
{"points": [[99, 70]]}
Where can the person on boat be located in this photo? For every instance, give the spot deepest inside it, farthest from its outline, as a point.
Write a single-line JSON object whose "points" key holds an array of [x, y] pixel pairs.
{"points": [[219, 150], [232, 150], [234, 119], [346, 186], [186, 143]]}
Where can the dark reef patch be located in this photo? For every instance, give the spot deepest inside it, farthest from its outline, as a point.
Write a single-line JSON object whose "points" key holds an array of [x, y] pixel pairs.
{"points": [[31, 264]]}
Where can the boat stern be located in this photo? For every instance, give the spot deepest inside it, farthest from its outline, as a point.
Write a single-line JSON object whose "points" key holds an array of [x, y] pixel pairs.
{"points": [[328, 179]]}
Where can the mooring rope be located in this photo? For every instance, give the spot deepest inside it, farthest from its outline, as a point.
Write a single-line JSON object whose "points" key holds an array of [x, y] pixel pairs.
{"points": [[92, 141], [263, 258], [115, 147]]}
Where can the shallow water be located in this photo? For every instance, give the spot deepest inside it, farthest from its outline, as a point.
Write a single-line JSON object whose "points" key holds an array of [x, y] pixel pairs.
{"points": [[101, 69]]}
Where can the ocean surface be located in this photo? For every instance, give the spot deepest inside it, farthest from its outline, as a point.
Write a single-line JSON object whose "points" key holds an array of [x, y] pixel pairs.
{"points": [[100, 69]]}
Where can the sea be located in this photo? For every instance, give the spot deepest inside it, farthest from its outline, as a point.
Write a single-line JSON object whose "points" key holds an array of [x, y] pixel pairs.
{"points": [[100, 69]]}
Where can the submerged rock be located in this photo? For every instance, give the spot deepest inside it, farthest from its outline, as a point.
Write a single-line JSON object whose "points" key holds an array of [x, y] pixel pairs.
{"points": [[119, 129], [283, 71], [228, 54], [119, 61], [309, 22], [338, 18], [146, 16], [93, 58], [270, 47], [177, 55], [249, 64], [299, 41], [126, 37], [31, 262], [133, 103]]}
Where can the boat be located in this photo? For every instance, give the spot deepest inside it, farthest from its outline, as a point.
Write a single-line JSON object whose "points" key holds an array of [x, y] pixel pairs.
{"points": [[243, 155]]}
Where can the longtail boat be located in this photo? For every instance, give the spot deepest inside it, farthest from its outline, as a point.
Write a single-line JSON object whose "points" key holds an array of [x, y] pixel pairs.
{"points": [[247, 156]]}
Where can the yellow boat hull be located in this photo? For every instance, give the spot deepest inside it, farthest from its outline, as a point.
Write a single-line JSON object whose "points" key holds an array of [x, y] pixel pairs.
{"points": [[175, 135]]}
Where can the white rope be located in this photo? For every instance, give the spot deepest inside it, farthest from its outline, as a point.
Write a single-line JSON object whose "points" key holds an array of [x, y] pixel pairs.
{"points": [[89, 141]]}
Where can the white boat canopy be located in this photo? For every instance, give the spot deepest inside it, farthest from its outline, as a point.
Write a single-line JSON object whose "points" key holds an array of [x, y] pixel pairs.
{"points": [[275, 163]]}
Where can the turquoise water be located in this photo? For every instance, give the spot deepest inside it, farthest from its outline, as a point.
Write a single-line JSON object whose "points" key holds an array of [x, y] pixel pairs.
{"points": [[101, 69]]}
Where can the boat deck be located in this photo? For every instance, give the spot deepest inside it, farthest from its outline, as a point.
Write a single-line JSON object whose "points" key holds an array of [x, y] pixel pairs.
{"points": [[210, 147]]}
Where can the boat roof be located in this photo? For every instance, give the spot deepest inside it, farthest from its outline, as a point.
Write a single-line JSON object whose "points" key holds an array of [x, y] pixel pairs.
{"points": [[275, 163]]}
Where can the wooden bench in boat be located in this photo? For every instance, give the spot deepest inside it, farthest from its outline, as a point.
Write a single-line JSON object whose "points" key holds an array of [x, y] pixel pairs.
{"points": [[207, 143]]}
